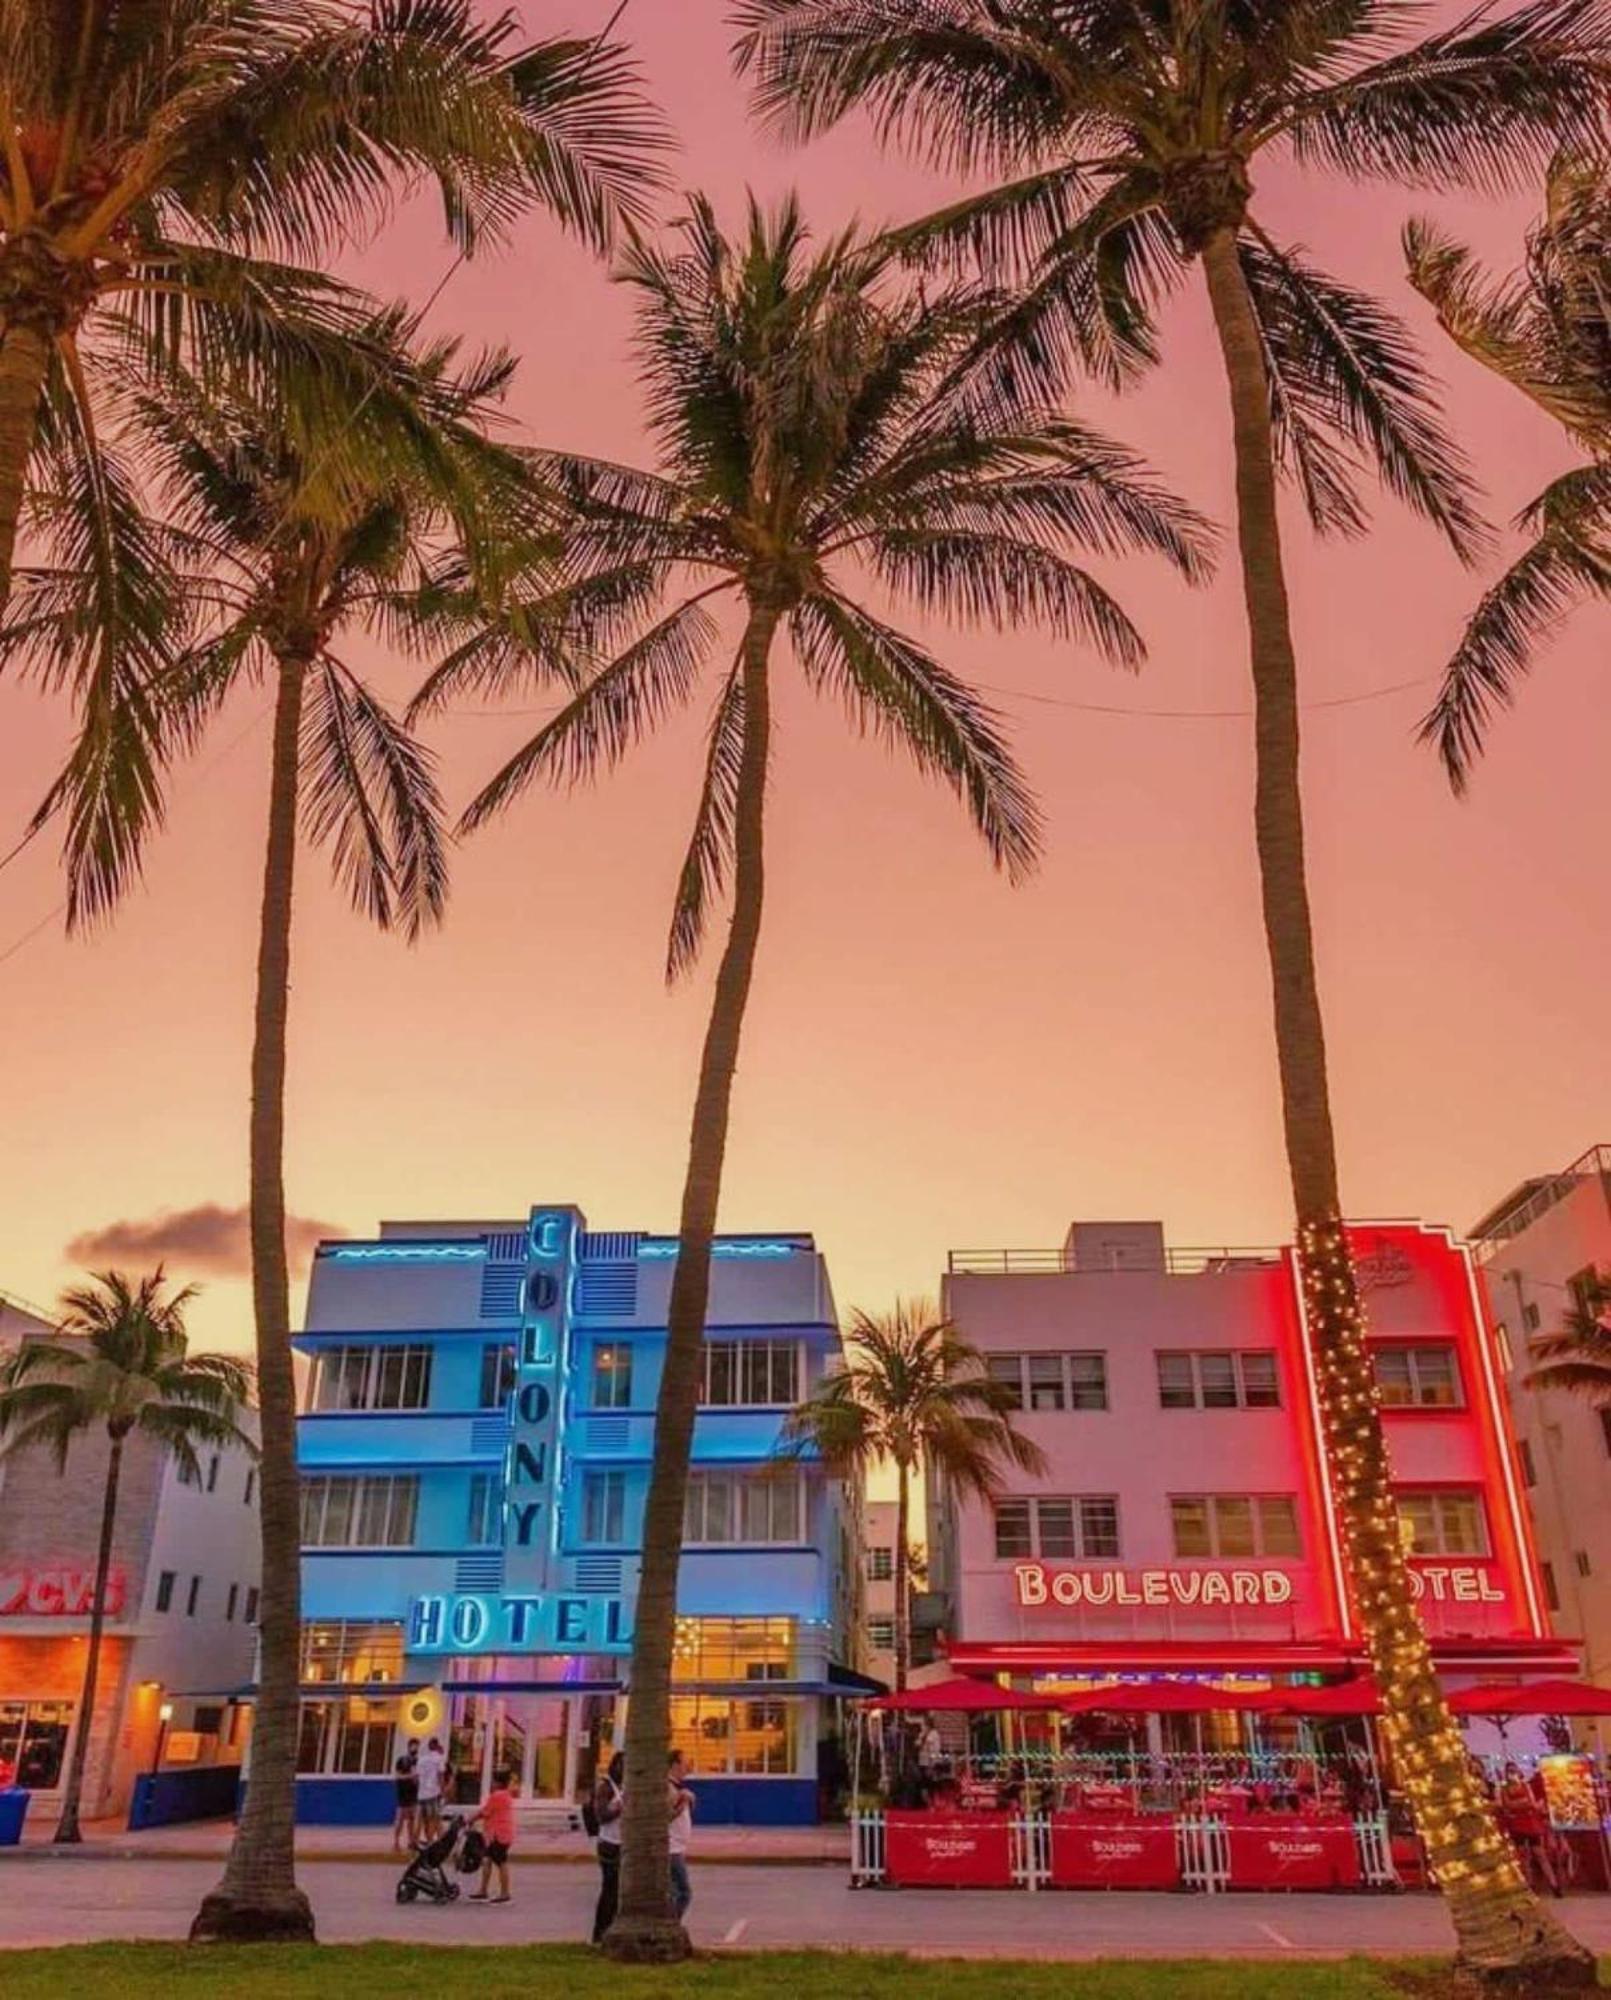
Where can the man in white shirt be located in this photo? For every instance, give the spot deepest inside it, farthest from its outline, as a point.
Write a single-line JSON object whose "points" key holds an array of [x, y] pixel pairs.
{"points": [[680, 1805], [431, 1770]]}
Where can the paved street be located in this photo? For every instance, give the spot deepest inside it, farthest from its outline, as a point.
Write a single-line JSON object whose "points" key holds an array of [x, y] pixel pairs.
{"points": [[46, 1900]]}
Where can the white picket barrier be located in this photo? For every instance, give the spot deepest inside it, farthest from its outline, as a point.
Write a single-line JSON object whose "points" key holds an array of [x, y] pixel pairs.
{"points": [[1205, 1854], [866, 1849], [1031, 1853], [1376, 1853]]}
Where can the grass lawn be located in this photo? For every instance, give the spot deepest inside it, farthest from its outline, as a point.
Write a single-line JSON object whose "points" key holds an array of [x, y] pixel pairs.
{"points": [[386, 1971]]}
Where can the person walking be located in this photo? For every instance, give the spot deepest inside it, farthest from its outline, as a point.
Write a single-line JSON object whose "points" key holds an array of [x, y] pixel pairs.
{"points": [[430, 1772], [497, 1815], [607, 1802], [680, 1804], [405, 1828]]}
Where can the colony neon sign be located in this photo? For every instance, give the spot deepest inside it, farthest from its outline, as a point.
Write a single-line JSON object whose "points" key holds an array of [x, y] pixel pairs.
{"points": [[1038, 1586]]}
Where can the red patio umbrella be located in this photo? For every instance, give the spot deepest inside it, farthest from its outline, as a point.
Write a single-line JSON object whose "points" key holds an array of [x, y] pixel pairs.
{"points": [[1161, 1698], [1561, 1697], [1356, 1697], [963, 1696]]}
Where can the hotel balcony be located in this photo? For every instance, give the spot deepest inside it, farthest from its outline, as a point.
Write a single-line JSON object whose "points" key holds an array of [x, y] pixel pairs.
{"points": [[339, 1442]]}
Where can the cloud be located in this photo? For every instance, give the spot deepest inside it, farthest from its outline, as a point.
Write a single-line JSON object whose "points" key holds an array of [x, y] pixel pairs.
{"points": [[207, 1238]]}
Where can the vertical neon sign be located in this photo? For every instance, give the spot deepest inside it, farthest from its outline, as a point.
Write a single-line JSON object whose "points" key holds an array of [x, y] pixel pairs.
{"points": [[533, 1472]]}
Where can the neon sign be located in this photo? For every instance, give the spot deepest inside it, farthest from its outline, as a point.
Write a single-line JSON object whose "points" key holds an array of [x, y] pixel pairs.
{"points": [[732, 1247], [536, 1623], [1463, 1583], [58, 1592], [1037, 1586], [403, 1253]]}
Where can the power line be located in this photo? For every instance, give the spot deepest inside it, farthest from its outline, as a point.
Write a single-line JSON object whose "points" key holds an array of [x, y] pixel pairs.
{"points": [[1204, 714]]}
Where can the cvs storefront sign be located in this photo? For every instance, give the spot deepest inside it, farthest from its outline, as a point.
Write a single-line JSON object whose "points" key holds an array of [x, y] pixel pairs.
{"points": [[58, 1591]]}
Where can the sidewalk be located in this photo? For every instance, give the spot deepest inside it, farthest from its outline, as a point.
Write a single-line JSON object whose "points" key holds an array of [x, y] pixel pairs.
{"points": [[207, 1840]]}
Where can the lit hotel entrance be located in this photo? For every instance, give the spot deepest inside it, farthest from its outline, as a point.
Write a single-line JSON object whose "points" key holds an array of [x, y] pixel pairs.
{"points": [[549, 1743]]}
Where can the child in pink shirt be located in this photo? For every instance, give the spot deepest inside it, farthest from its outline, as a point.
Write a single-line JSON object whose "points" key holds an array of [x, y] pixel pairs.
{"points": [[497, 1815]]}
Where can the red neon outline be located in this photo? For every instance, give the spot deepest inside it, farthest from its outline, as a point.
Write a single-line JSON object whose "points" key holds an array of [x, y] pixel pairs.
{"points": [[1319, 1468]]}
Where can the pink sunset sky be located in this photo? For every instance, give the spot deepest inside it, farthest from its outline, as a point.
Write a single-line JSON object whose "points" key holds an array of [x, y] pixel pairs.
{"points": [[932, 1059]]}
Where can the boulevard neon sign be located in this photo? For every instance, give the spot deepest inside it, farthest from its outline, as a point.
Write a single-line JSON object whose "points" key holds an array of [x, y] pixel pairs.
{"points": [[1038, 1586]]}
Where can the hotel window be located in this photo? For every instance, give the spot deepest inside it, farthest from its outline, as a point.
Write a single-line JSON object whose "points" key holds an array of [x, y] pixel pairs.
{"points": [[191, 1596], [1083, 1525], [881, 1634], [1581, 1558], [166, 1579], [1417, 1377], [230, 1602], [357, 1651], [371, 1511], [352, 1738], [251, 1485], [880, 1565], [212, 1473], [1552, 1596], [1444, 1524], [251, 1604], [484, 1525], [1219, 1378], [497, 1375], [745, 1738], [755, 1374], [1051, 1381], [372, 1378], [755, 1508], [1230, 1525], [1529, 1471], [733, 1649], [612, 1375], [1530, 1318], [604, 1507]]}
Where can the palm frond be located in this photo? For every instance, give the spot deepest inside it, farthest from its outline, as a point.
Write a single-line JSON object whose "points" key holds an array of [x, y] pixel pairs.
{"points": [[709, 858], [369, 790], [890, 685]]}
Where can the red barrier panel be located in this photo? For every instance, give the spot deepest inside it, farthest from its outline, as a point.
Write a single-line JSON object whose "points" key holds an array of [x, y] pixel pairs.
{"points": [[1293, 1853], [961, 1850], [1113, 1853]]}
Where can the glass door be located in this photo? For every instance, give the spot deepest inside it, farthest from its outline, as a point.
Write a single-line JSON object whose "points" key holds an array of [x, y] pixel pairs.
{"points": [[34, 1736]]}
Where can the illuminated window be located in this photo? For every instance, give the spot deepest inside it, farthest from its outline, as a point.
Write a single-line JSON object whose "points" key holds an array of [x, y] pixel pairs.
{"points": [[354, 1652], [604, 1507], [1417, 1377], [371, 1378], [750, 1374], [1219, 1378], [352, 1738], [733, 1649], [1444, 1524], [364, 1511], [1084, 1525], [612, 1375], [1051, 1381], [1232, 1525], [718, 1736], [742, 1507]]}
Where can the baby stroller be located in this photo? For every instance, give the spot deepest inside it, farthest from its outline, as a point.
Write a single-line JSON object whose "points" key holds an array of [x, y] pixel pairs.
{"points": [[426, 1874]]}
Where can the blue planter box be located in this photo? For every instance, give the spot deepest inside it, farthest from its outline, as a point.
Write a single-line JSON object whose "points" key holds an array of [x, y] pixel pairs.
{"points": [[13, 1811], [168, 1798]]}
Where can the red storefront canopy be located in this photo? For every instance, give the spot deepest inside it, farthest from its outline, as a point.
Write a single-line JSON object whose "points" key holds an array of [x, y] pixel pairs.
{"points": [[965, 1697], [1356, 1697], [1161, 1698], [1534, 1698]]}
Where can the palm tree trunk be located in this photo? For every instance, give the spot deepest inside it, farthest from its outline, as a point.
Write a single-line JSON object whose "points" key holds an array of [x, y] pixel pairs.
{"points": [[644, 1930], [67, 1828], [1502, 1928], [258, 1897], [903, 1619], [24, 363]]}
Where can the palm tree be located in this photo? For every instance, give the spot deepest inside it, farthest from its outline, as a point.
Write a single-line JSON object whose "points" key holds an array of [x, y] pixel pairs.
{"points": [[118, 1363], [1120, 138], [913, 1394], [295, 542], [804, 429], [155, 160], [1548, 333], [1577, 1358]]}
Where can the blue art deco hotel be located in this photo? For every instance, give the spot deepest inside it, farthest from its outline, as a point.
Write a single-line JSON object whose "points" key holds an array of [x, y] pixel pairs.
{"points": [[475, 1451]]}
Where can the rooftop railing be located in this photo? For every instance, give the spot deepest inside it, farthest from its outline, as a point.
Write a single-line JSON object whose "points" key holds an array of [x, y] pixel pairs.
{"points": [[1175, 1263], [1595, 1164]]}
